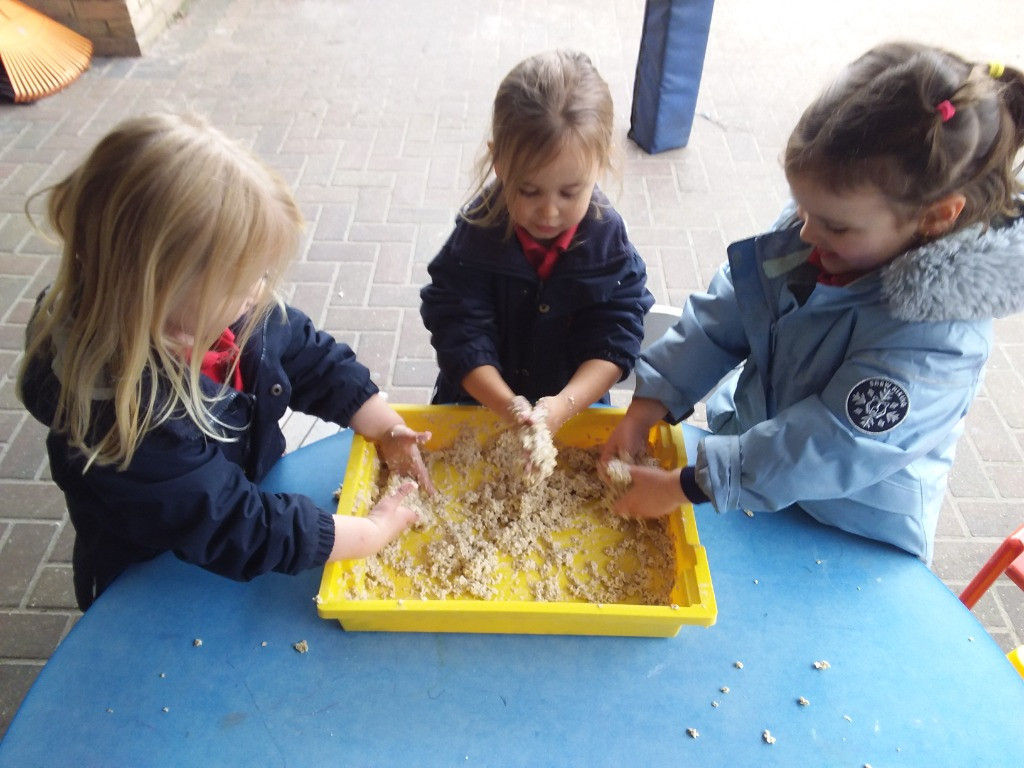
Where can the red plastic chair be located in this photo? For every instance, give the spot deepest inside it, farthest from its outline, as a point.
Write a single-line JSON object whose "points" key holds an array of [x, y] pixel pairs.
{"points": [[1008, 559]]}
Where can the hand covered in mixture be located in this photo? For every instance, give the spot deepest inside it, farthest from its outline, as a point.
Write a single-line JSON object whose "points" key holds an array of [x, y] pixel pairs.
{"points": [[400, 450], [653, 492], [390, 514], [630, 436], [357, 537], [555, 410], [532, 439], [520, 413]]}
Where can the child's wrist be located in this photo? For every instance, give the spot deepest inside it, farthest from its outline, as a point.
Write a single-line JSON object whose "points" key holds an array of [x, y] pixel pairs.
{"points": [[571, 407]]}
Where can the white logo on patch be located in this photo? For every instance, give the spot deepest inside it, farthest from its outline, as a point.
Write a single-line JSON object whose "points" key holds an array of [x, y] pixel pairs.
{"points": [[877, 405]]}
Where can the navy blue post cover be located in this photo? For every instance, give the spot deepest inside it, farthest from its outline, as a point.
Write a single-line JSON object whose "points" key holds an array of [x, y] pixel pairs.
{"points": [[668, 70]]}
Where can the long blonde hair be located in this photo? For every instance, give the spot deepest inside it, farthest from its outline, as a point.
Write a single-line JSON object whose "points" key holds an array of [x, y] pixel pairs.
{"points": [[548, 102], [166, 212]]}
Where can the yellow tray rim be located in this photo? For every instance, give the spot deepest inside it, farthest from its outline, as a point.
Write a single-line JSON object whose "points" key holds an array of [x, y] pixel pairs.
{"points": [[528, 617]]}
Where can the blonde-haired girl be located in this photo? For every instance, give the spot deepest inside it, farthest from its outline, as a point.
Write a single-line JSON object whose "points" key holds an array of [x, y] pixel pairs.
{"points": [[174, 239], [862, 324], [538, 294]]}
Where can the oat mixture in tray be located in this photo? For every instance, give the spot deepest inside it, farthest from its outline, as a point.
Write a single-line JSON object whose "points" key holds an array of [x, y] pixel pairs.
{"points": [[495, 531]]}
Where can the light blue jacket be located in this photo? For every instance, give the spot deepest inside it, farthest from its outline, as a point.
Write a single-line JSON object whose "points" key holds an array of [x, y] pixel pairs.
{"points": [[847, 401]]}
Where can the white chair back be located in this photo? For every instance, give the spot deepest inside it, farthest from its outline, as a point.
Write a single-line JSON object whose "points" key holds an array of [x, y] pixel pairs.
{"points": [[656, 322]]}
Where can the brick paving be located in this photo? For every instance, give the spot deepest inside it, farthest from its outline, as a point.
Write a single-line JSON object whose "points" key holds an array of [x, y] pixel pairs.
{"points": [[375, 114]]}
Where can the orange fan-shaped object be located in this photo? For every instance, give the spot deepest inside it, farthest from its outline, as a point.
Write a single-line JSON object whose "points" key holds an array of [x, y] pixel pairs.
{"points": [[38, 56]]}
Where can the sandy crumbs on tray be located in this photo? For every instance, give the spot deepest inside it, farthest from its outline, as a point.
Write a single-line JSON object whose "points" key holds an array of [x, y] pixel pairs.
{"points": [[492, 531]]}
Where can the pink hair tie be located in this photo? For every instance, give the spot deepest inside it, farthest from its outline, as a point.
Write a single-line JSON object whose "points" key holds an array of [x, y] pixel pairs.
{"points": [[946, 109]]}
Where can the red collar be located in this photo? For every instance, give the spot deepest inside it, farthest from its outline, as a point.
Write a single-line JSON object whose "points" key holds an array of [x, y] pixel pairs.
{"points": [[826, 278], [543, 257], [217, 361]]}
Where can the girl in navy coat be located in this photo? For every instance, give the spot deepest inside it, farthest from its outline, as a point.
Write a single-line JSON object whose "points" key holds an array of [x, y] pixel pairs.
{"points": [[538, 295], [174, 238]]}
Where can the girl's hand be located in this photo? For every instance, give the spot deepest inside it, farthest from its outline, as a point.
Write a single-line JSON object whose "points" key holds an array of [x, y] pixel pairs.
{"points": [[390, 515], [519, 412], [529, 425], [654, 492], [628, 439], [357, 537], [400, 449], [630, 436], [555, 410]]}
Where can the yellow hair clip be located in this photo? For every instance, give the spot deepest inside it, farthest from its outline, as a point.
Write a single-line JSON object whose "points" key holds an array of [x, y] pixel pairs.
{"points": [[996, 69]]}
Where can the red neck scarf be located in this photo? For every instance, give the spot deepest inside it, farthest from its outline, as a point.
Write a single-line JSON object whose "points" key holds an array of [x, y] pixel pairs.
{"points": [[218, 359], [543, 257]]}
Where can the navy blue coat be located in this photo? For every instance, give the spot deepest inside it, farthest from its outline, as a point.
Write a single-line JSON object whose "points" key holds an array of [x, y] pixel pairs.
{"points": [[199, 497], [485, 305]]}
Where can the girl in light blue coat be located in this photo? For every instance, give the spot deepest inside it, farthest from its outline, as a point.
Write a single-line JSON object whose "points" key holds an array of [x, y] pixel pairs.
{"points": [[857, 332]]}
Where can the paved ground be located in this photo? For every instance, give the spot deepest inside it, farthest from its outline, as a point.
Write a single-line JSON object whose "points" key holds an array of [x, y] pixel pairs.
{"points": [[374, 113]]}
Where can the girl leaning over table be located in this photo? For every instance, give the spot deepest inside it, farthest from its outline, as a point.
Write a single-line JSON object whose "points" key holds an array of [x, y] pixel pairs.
{"points": [[860, 326], [161, 360], [536, 302]]}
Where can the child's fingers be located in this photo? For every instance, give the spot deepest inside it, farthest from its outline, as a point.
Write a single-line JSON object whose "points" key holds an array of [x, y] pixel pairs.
{"points": [[419, 468], [624, 507], [602, 466], [400, 434], [394, 499], [615, 448], [520, 411], [647, 497], [392, 504], [614, 444], [400, 447], [404, 490], [423, 474]]}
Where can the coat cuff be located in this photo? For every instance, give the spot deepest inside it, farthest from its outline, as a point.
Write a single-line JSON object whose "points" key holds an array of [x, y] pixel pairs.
{"points": [[325, 542], [718, 470], [691, 488]]}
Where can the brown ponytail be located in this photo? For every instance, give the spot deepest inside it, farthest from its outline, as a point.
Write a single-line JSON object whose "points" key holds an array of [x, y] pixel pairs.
{"points": [[918, 123]]}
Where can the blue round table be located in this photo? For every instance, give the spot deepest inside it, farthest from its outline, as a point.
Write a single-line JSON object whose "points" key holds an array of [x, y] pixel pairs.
{"points": [[913, 679]]}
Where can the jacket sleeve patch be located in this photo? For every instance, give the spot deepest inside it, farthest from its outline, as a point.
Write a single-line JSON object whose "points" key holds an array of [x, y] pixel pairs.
{"points": [[877, 405]]}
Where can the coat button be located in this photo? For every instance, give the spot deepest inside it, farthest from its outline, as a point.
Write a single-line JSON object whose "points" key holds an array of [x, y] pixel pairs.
{"points": [[276, 390], [543, 308]]}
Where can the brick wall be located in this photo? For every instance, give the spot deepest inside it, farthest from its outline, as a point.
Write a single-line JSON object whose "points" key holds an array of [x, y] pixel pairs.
{"points": [[115, 27]]}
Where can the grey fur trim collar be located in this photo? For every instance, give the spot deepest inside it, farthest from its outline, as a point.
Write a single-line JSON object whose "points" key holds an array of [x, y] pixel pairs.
{"points": [[975, 274]]}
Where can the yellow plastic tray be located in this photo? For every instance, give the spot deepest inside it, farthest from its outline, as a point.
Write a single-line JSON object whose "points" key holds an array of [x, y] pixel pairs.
{"points": [[692, 595]]}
